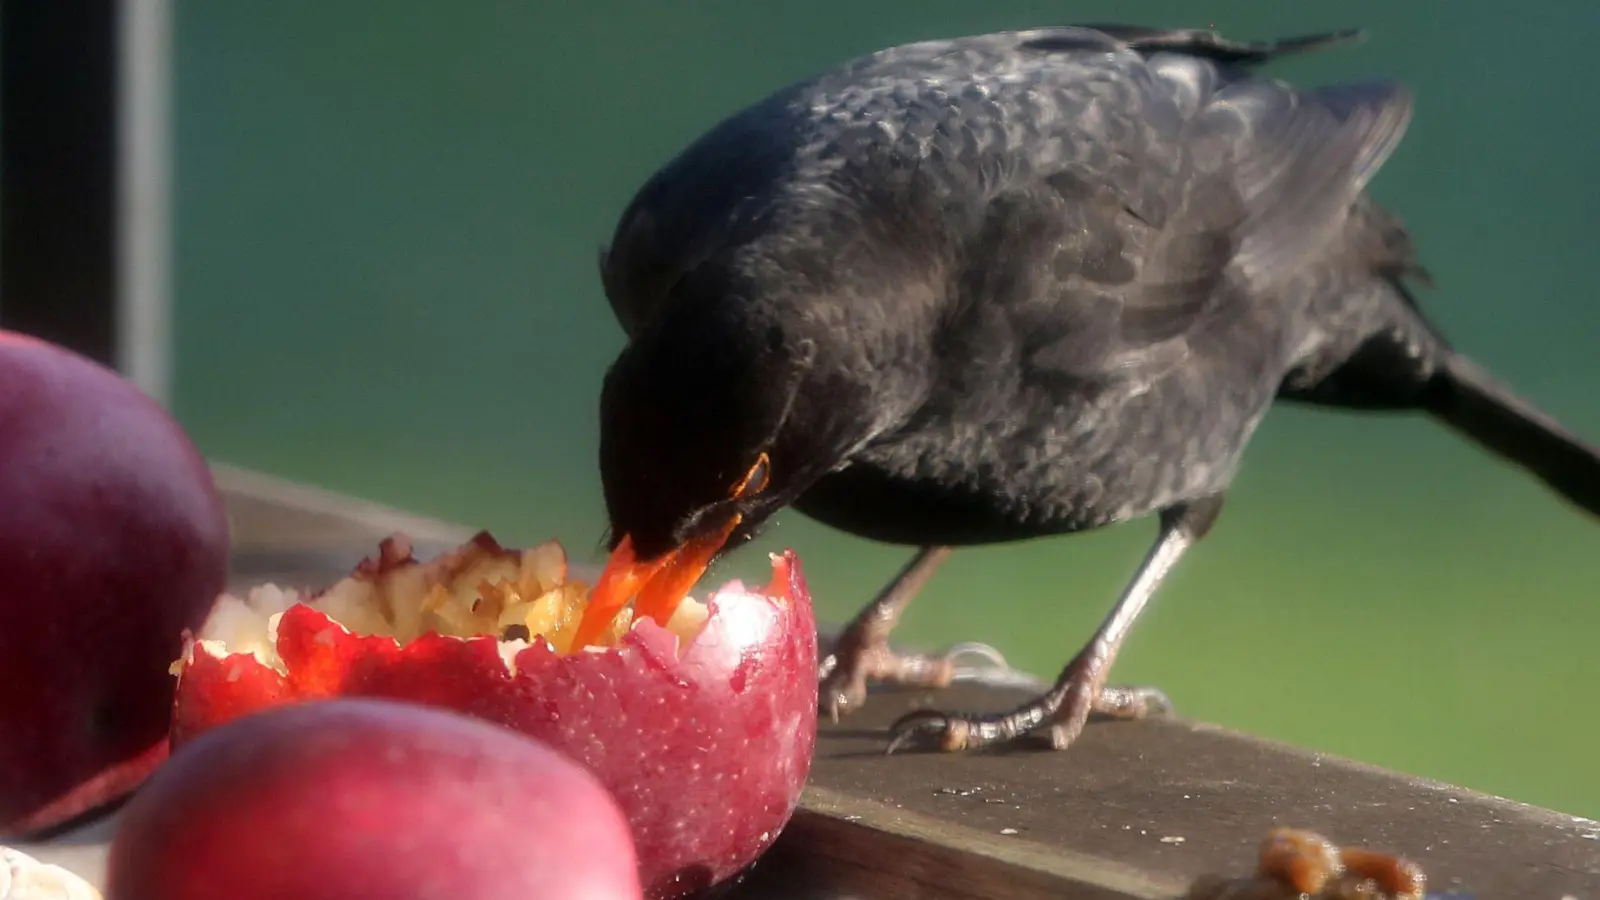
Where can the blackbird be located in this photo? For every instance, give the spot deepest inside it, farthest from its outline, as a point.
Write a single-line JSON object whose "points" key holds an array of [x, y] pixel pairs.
{"points": [[1005, 286]]}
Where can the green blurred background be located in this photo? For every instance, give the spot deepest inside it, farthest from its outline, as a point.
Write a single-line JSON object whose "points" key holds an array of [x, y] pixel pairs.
{"points": [[388, 218]]}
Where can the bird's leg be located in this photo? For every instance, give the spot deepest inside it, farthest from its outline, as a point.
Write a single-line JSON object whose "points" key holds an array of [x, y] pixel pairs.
{"points": [[1081, 688], [862, 652]]}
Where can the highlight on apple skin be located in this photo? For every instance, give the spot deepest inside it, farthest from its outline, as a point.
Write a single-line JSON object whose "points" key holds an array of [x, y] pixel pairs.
{"points": [[113, 540], [702, 726]]}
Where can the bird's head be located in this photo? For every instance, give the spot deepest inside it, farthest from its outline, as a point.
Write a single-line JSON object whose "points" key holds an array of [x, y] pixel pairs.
{"points": [[699, 446]]}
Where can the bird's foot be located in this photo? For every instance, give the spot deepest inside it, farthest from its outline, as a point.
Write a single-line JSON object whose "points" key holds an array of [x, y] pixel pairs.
{"points": [[844, 674], [1063, 710]]}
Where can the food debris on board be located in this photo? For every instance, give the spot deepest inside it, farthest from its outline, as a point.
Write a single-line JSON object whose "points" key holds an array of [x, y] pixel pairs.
{"points": [[1296, 864]]}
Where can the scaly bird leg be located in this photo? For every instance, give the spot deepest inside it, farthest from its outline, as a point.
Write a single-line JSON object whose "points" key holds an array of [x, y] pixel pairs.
{"points": [[862, 652], [1081, 688]]}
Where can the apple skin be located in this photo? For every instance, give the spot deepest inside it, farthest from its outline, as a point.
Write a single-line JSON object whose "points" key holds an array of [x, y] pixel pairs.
{"points": [[113, 540], [375, 799], [707, 750]]}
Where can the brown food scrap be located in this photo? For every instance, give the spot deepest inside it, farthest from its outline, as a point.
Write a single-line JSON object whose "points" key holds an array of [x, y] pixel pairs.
{"points": [[1295, 864]]}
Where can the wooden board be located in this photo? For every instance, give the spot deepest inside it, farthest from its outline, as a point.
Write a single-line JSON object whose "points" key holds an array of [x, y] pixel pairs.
{"points": [[1133, 810], [1139, 809]]}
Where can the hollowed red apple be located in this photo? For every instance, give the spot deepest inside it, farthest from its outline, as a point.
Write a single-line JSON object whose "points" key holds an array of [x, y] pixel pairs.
{"points": [[112, 541], [370, 799], [702, 729]]}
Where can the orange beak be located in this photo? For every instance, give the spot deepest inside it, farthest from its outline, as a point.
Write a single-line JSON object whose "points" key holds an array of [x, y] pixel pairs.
{"points": [[659, 585]]}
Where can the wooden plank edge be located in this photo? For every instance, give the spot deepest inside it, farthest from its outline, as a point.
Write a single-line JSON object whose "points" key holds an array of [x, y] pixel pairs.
{"points": [[1526, 813], [259, 486], [838, 842]]}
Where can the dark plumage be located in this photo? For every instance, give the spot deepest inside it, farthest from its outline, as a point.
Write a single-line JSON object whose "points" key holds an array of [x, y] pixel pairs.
{"points": [[1015, 285]]}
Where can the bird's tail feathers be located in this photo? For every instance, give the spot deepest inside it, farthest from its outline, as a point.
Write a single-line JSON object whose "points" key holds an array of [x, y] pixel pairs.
{"points": [[1201, 42], [1475, 404]]}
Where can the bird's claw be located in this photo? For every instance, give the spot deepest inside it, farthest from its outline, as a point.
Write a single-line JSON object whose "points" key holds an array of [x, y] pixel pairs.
{"points": [[942, 732], [1133, 701], [1063, 712], [842, 688], [972, 648], [844, 675]]}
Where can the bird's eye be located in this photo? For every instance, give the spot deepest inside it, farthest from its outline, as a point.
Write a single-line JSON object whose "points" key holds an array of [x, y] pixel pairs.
{"points": [[755, 480]]}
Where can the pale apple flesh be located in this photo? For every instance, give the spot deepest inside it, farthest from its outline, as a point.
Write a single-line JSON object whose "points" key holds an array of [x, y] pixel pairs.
{"points": [[23, 877], [480, 589]]}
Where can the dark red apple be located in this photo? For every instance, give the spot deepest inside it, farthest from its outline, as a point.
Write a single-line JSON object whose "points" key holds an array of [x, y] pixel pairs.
{"points": [[372, 799], [112, 541], [703, 730]]}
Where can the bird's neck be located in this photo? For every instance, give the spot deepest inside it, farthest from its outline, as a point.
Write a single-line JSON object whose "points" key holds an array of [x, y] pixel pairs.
{"points": [[871, 367]]}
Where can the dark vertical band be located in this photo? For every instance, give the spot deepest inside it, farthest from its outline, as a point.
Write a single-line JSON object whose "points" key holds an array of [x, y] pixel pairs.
{"points": [[58, 172]]}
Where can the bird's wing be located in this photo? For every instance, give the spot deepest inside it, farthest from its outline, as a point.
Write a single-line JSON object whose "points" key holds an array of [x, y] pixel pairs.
{"points": [[1172, 169], [699, 199], [1299, 161], [1160, 227]]}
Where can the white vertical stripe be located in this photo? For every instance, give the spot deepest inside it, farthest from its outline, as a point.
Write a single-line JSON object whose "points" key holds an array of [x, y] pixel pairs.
{"points": [[144, 221]]}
